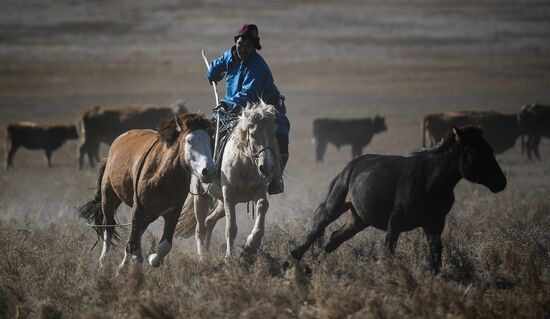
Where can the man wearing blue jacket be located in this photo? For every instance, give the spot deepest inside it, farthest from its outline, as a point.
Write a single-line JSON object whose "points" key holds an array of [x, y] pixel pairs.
{"points": [[248, 78]]}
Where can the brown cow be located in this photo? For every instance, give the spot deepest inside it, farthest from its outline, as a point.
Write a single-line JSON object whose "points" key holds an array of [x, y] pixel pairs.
{"points": [[357, 132], [535, 120], [36, 136], [499, 129], [99, 124]]}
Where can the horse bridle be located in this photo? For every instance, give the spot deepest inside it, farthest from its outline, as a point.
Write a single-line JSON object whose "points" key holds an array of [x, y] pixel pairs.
{"points": [[255, 155], [140, 168]]}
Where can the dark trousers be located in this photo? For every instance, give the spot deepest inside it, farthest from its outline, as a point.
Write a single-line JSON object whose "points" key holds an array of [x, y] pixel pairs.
{"points": [[283, 148]]}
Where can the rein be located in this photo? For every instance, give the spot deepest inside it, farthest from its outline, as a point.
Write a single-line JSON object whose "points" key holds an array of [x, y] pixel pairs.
{"points": [[140, 168], [255, 155]]}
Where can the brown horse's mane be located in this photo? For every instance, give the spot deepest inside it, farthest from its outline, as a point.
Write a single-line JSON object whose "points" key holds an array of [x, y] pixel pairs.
{"points": [[168, 130]]}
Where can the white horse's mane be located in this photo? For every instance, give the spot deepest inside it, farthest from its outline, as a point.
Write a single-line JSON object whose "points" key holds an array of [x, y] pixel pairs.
{"points": [[254, 113]]}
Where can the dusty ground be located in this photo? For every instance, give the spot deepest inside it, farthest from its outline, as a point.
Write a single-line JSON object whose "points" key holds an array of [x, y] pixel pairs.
{"points": [[400, 60]]}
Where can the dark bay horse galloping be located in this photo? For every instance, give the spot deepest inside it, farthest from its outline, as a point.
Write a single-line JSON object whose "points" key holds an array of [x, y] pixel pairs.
{"points": [[398, 194], [150, 172]]}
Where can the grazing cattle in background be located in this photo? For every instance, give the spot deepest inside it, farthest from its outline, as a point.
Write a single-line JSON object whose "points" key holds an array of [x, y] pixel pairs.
{"points": [[535, 120], [99, 124], [357, 132], [36, 137], [398, 194], [499, 129]]}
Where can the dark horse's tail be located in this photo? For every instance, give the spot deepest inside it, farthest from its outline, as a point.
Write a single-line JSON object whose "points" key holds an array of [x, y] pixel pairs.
{"points": [[92, 211], [336, 196]]}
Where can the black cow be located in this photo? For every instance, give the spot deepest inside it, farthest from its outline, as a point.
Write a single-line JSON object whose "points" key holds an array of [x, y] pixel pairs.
{"points": [[357, 132], [36, 136]]}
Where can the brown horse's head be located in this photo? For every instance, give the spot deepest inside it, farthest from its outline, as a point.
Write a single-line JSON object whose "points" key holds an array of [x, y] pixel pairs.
{"points": [[190, 131]]}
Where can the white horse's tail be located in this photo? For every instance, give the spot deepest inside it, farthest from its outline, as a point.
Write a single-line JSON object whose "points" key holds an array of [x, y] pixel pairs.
{"points": [[187, 221]]}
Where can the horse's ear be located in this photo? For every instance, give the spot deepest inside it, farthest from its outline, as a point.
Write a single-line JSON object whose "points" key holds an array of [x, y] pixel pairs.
{"points": [[178, 127], [456, 134]]}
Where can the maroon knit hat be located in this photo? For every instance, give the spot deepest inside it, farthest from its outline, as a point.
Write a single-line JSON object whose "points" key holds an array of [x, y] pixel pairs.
{"points": [[249, 31]]}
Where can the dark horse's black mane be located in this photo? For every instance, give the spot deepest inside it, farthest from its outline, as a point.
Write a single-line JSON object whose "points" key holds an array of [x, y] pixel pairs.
{"points": [[168, 131], [447, 141]]}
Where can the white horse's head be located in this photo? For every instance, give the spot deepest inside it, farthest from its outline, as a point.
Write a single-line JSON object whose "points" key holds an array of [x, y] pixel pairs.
{"points": [[257, 130]]}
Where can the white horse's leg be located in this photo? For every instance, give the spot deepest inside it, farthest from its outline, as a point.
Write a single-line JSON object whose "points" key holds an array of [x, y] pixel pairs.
{"points": [[201, 211], [230, 220], [211, 221], [255, 238], [106, 247]]}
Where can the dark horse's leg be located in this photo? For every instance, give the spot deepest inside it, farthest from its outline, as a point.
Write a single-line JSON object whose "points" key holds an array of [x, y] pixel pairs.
{"points": [[334, 206], [354, 225], [165, 245], [393, 232], [433, 235], [326, 213]]}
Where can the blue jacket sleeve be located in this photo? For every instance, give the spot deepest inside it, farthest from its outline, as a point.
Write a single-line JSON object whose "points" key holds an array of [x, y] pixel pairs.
{"points": [[217, 70], [253, 83]]}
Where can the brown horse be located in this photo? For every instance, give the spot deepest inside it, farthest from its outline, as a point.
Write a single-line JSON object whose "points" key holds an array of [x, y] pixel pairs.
{"points": [[150, 172]]}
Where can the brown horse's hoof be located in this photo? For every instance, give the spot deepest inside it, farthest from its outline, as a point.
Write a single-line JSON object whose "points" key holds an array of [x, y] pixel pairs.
{"points": [[154, 261]]}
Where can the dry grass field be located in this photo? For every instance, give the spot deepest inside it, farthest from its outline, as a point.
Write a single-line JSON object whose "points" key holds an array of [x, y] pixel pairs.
{"points": [[340, 59]]}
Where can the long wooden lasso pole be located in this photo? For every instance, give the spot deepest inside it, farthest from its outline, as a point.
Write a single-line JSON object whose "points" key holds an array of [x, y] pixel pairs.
{"points": [[217, 111]]}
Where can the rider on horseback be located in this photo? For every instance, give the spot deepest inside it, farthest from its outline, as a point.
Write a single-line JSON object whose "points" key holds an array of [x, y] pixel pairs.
{"points": [[248, 79]]}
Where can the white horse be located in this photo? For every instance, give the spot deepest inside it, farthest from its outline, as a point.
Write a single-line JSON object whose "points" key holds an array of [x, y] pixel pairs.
{"points": [[250, 160]]}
